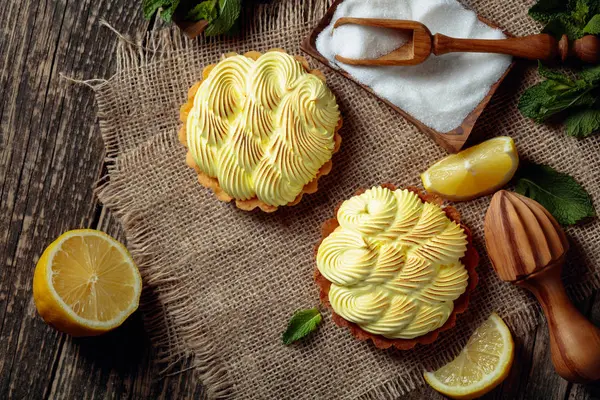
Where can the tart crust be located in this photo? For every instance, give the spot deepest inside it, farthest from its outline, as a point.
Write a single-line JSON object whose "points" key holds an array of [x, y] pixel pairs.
{"points": [[213, 183], [469, 260]]}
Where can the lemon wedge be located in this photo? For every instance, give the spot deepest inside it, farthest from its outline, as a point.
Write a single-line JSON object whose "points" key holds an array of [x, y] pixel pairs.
{"points": [[481, 366], [86, 283], [473, 172]]}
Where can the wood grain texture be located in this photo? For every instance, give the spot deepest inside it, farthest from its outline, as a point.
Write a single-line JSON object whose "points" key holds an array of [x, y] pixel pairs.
{"points": [[192, 29], [50, 156], [421, 44], [117, 365], [587, 49], [535, 47], [521, 236], [574, 341], [528, 247], [532, 376]]}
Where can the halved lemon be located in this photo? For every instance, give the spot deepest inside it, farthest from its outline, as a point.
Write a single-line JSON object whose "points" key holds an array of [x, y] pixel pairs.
{"points": [[481, 366], [473, 172], [86, 283]]}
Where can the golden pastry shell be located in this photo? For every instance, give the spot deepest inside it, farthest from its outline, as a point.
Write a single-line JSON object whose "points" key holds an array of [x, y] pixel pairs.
{"points": [[213, 183], [469, 260]]}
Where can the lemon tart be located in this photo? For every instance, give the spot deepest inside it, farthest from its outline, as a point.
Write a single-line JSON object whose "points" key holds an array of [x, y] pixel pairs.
{"points": [[260, 129], [395, 266]]}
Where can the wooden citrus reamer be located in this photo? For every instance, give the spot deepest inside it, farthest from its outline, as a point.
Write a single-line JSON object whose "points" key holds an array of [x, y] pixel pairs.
{"points": [[422, 43], [527, 247]]}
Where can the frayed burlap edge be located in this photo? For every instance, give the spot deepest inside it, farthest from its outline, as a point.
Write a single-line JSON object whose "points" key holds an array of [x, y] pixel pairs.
{"points": [[164, 306]]}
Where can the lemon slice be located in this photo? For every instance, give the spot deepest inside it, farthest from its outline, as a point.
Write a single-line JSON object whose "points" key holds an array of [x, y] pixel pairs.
{"points": [[473, 172], [481, 366], [86, 283]]}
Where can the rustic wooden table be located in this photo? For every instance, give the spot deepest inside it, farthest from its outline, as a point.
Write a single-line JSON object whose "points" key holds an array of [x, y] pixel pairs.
{"points": [[51, 154]]}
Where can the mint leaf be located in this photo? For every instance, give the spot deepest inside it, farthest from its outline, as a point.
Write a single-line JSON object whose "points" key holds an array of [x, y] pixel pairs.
{"points": [[591, 75], [207, 10], [167, 13], [594, 6], [583, 123], [550, 97], [558, 93], [559, 193], [548, 73], [577, 97], [580, 14], [565, 17], [229, 12], [534, 99], [564, 25], [593, 26], [149, 7], [546, 10], [302, 323]]}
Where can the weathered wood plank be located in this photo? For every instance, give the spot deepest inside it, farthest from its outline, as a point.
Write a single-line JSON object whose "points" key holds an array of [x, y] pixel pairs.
{"points": [[543, 382], [119, 364], [26, 74], [542, 379], [532, 375], [514, 384], [592, 391], [511, 387], [50, 156]]}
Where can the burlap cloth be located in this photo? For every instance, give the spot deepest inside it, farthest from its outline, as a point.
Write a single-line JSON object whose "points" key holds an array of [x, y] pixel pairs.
{"points": [[221, 284]]}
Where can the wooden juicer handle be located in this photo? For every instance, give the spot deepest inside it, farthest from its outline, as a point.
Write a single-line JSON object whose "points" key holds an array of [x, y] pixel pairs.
{"points": [[535, 47], [527, 246], [422, 43], [574, 341]]}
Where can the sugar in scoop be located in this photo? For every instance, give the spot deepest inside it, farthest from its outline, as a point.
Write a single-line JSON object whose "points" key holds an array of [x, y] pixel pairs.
{"points": [[440, 92], [365, 42]]}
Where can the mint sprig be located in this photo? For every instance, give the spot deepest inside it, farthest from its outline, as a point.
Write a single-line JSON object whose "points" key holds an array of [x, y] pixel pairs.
{"points": [[593, 27], [150, 7], [583, 123], [221, 15], [570, 17], [576, 100], [229, 12], [547, 10], [559, 193], [302, 323], [207, 10]]}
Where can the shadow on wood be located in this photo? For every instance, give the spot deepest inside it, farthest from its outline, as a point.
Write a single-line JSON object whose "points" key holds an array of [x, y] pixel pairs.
{"points": [[122, 350]]}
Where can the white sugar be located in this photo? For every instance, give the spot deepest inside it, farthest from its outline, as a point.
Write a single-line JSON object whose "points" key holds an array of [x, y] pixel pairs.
{"points": [[443, 90], [355, 41]]}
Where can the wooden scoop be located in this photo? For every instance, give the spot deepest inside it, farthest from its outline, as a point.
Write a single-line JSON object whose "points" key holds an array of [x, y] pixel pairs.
{"points": [[527, 247], [422, 43]]}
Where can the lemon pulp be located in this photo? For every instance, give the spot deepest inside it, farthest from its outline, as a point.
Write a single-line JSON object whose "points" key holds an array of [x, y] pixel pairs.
{"points": [[481, 366], [473, 172], [86, 283]]}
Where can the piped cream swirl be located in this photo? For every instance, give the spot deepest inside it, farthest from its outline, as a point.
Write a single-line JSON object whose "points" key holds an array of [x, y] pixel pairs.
{"points": [[262, 128], [394, 263]]}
